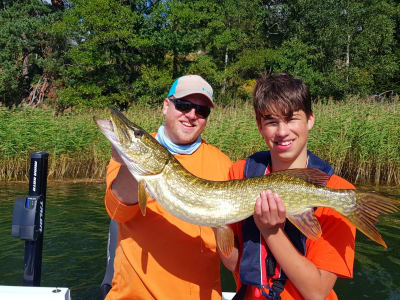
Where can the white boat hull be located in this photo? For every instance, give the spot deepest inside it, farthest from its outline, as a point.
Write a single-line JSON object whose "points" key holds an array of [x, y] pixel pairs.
{"points": [[33, 293]]}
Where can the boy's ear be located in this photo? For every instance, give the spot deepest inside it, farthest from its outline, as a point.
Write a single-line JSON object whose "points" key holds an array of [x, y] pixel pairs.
{"points": [[259, 126], [310, 121]]}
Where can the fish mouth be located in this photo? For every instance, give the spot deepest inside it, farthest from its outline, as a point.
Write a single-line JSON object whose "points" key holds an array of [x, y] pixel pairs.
{"points": [[107, 128], [104, 125], [116, 131]]}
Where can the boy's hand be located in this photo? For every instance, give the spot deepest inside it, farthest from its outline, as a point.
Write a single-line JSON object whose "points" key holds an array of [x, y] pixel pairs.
{"points": [[269, 212]]}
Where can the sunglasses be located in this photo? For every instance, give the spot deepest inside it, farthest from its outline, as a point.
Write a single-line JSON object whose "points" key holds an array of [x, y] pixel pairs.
{"points": [[185, 106]]}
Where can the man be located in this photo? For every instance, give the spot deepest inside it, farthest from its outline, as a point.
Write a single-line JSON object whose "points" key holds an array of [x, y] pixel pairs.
{"points": [[158, 255], [272, 258]]}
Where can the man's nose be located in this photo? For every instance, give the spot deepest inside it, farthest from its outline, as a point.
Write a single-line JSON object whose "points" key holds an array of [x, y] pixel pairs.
{"points": [[191, 114]]}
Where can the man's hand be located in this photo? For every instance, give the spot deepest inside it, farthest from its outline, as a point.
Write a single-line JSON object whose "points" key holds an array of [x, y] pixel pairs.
{"points": [[125, 186], [269, 212], [115, 156]]}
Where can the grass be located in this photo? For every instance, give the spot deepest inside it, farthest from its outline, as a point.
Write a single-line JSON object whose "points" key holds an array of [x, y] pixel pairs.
{"points": [[358, 137]]}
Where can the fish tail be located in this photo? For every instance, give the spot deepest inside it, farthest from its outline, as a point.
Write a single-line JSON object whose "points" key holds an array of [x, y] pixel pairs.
{"points": [[368, 208]]}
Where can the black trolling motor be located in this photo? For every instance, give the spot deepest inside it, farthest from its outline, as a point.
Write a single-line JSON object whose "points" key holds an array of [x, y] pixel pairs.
{"points": [[28, 218]]}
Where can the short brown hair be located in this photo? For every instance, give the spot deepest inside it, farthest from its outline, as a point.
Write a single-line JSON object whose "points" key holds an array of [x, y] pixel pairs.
{"points": [[281, 94]]}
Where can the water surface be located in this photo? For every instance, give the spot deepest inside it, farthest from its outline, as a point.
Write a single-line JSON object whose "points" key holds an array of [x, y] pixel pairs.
{"points": [[75, 239]]}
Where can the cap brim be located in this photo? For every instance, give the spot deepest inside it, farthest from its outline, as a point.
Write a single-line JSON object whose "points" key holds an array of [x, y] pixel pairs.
{"points": [[191, 92]]}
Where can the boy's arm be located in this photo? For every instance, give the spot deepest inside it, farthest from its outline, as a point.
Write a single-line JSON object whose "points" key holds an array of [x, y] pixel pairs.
{"points": [[269, 216]]}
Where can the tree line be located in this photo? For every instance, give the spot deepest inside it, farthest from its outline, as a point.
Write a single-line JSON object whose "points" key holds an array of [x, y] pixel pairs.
{"points": [[95, 53]]}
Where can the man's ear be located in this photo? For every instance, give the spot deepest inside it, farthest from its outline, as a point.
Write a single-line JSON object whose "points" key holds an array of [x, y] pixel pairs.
{"points": [[310, 121], [166, 104]]}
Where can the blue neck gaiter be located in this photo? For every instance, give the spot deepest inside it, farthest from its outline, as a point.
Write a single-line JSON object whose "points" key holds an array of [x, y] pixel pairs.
{"points": [[174, 148]]}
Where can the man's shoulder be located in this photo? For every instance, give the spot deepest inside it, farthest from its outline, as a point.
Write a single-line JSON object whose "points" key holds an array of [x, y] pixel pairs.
{"points": [[214, 150], [209, 147], [207, 162]]}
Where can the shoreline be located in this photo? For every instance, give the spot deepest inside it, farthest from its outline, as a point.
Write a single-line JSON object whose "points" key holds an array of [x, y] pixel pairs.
{"points": [[57, 181]]}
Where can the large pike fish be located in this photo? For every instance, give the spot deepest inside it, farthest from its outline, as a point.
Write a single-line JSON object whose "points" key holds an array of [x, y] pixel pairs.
{"points": [[218, 203]]}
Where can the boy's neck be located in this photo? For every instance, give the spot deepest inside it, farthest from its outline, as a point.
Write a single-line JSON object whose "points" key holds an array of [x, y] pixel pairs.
{"points": [[300, 162]]}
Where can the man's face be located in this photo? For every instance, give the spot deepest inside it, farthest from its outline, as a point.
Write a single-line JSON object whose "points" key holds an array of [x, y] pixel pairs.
{"points": [[180, 127], [286, 138]]}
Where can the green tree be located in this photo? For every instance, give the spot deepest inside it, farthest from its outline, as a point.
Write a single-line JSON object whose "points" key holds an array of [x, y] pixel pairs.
{"points": [[177, 30], [236, 27], [30, 55], [113, 40], [355, 41]]}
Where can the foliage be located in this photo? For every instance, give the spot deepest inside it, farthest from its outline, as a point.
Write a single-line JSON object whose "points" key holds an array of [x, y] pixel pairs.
{"points": [[93, 53], [355, 44], [28, 52], [111, 43], [152, 87]]}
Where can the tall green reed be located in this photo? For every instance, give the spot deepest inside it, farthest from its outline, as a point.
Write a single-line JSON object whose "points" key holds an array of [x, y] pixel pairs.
{"points": [[357, 136], [360, 139]]}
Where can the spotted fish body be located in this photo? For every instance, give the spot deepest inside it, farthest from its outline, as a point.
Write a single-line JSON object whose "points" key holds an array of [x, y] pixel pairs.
{"points": [[218, 203]]}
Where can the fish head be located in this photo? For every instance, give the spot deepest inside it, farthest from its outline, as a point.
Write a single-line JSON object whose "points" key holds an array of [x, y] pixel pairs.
{"points": [[141, 153]]}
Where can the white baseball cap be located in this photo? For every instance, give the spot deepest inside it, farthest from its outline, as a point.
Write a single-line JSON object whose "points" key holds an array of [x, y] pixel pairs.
{"points": [[191, 84]]}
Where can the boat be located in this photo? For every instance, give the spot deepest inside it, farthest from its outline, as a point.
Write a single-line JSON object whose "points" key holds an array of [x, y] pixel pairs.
{"points": [[34, 293], [27, 225], [51, 293]]}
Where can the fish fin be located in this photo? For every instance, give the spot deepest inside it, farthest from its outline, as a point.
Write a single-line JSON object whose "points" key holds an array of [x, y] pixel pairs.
{"points": [[309, 175], [142, 196], [368, 208], [225, 240], [307, 223]]}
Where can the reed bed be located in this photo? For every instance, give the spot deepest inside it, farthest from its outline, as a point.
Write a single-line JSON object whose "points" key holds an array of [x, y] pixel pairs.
{"points": [[358, 137]]}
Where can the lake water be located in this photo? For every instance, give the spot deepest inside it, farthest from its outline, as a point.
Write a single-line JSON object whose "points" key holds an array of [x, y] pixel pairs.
{"points": [[75, 239]]}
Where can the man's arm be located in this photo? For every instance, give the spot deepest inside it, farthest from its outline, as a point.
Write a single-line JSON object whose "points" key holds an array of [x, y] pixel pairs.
{"points": [[311, 282], [125, 186]]}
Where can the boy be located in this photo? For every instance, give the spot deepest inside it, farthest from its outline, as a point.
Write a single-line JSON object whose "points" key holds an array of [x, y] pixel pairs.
{"points": [[272, 259]]}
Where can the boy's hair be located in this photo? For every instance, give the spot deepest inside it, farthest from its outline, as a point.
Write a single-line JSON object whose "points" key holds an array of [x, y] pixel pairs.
{"points": [[280, 94]]}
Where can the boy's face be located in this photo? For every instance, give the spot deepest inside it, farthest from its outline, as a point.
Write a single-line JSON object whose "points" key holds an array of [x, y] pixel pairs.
{"points": [[286, 138]]}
